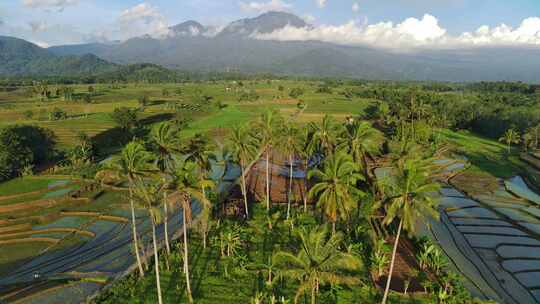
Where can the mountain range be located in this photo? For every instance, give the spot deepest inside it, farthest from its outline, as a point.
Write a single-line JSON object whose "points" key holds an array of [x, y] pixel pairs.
{"points": [[192, 46]]}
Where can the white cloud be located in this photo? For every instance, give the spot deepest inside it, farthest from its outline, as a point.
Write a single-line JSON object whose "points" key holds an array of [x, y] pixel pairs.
{"points": [[412, 33], [309, 18], [528, 33], [262, 7], [142, 19], [355, 7], [321, 3], [47, 4], [38, 26]]}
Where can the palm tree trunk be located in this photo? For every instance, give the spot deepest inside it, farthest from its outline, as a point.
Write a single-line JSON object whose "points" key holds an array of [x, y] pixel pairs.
{"points": [[134, 232], [204, 226], [166, 223], [394, 251], [244, 190], [186, 255], [156, 262], [306, 164], [313, 297], [290, 186], [268, 179]]}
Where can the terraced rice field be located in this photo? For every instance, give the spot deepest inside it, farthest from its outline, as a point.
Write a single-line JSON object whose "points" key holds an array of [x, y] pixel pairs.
{"points": [[73, 253], [493, 238]]}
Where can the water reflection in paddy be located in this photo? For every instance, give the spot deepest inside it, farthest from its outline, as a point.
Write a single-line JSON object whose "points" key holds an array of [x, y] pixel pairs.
{"points": [[493, 239]]}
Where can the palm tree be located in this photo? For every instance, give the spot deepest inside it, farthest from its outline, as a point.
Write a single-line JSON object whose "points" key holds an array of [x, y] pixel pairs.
{"points": [[198, 151], [244, 148], [290, 145], [362, 141], [165, 137], [133, 162], [319, 261], [308, 148], [186, 180], [267, 125], [326, 134], [336, 190], [510, 137], [410, 198], [534, 133], [150, 196]]}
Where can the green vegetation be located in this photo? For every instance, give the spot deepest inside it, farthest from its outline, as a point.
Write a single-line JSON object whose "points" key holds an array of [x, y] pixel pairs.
{"points": [[317, 231]]}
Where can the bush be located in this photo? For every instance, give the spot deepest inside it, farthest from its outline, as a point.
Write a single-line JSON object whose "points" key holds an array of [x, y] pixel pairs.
{"points": [[125, 118], [57, 114], [296, 92], [23, 147]]}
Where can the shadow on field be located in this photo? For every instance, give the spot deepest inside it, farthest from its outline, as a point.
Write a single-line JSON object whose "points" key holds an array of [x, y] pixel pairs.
{"points": [[114, 139]]}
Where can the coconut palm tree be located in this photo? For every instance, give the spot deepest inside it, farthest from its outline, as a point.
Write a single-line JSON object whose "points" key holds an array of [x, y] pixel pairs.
{"points": [[336, 190], [166, 142], [187, 183], [410, 197], [268, 128], [510, 137], [362, 141], [534, 134], [308, 149], [244, 148], [290, 146], [149, 195], [133, 162], [326, 134], [319, 261], [198, 150]]}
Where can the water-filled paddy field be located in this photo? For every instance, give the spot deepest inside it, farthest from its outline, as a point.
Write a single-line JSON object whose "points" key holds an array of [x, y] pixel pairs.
{"points": [[493, 239], [94, 244]]}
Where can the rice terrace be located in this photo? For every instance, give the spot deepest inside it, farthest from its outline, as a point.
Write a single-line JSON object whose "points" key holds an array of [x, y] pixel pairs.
{"points": [[269, 160]]}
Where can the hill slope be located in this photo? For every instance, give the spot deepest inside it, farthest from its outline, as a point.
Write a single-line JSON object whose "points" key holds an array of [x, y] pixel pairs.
{"points": [[20, 57]]}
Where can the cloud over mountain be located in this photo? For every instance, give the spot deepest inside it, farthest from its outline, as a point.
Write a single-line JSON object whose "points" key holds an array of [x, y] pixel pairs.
{"points": [[411, 33], [263, 7]]}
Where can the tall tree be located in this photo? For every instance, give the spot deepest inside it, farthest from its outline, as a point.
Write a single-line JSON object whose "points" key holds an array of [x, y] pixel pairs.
{"points": [[326, 134], [534, 133], [335, 188], [244, 148], [132, 163], [165, 138], [268, 128], [186, 180], [149, 196], [308, 149], [362, 141], [290, 145], [510, 137], [409, 198], [319, 261]]}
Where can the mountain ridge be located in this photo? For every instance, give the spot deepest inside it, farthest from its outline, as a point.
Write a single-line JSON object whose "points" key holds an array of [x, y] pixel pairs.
{"points": [[190, 47]]}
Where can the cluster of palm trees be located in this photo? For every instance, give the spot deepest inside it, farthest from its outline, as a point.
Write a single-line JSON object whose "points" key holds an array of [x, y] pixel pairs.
{"points": [[530, 139], [166, 173], [163, 174]]}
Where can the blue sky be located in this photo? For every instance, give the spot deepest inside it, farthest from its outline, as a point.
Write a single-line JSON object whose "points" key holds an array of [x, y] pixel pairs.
{"points": [[50, 22]]}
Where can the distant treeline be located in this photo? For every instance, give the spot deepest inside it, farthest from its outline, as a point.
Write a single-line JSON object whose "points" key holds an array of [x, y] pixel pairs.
{"points": [[143, 73], [486, 108]]}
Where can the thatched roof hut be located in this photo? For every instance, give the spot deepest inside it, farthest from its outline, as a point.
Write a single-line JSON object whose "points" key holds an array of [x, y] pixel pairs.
{"points": [[279, 179]]}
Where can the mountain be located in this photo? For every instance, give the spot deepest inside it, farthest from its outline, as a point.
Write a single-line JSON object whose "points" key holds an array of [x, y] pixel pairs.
{"points": [[236, 49], [20, 57], [188, 28], [265, 23]]}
